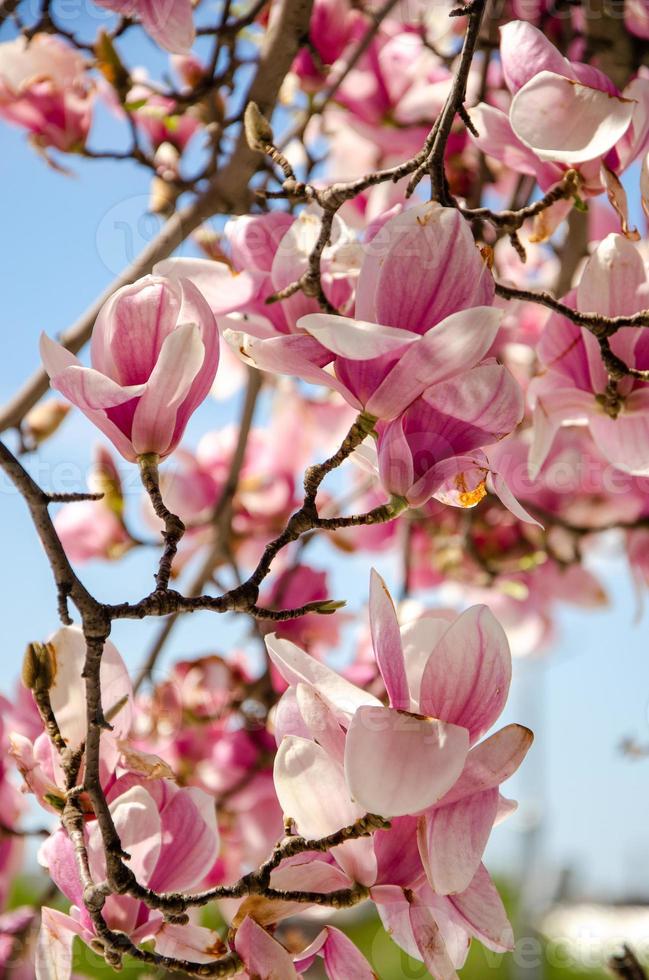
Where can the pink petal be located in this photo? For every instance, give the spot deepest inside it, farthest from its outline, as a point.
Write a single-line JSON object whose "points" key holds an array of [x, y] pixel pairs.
{"points": [[181, 358], [224, 289], [357, 340], [138, 824], [497, 139], [386, 640], [343, 960], [430, 941], [53, 957], [311, 788], [454, 345], [67, 694], [310, 874], [297, 667], [420, 757], [420, 268], [453, 839], [131, 328], [567, 122], [321, 721], [419, 639], [624, 441], [564, 406], [466, 680], [487, 397], [264, 958], [190, 841], [56, 854], [189, 942], [297, 354], [491, 762], [481, 907], [55, 358], [614, 280], [397, 853], [170, 23], [525, 51], [503, 492]]}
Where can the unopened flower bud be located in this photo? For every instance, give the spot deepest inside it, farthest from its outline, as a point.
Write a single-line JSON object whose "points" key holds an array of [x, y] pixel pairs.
{"points": [[258, 130], [44, 419], [162, 197], [38, 667]]}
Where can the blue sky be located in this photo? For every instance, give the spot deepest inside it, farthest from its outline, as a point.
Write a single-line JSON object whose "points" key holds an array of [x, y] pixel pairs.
{"points": [[62, 240]]}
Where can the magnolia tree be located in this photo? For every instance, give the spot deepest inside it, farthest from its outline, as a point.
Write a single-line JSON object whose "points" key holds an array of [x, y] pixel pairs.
{"points": [[414, 261]]}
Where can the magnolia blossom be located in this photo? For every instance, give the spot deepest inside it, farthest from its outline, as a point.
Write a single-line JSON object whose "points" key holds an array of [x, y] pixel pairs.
{"points": [[172, 838], [423, 316], [169, 22], [154, 355], [294, 587], [447, 681], [36, 758], [573, 384], [591, 125], [333, 26], [398, 79], [45, 88]]}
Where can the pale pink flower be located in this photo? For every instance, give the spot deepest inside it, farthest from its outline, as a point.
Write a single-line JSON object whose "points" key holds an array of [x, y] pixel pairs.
{"points": [[571, 388], [169, 22], [425, 873], [45, 88], [333, 26], [160, 119], [88, 530], [292, 588], [154, 355], [447, 682], [423, 316], [563, 114], [37, 760], [172, 838]]}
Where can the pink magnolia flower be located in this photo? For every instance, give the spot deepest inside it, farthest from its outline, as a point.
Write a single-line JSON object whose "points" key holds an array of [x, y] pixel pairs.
{"points": [[37, 760], [88, 530], [192, 720], [572, 386], [590, 125], [333, 26], [447, 682], [154, 355], [294, 587], [45, 88], [423, 316], [443, 797], [172, 838], [395, 90], [95, 529], [169, 22]]}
